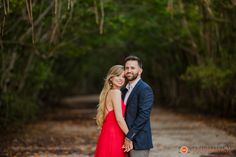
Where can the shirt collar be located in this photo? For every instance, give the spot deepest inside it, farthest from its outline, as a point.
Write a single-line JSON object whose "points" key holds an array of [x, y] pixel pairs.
{"points": [[132, 85]]}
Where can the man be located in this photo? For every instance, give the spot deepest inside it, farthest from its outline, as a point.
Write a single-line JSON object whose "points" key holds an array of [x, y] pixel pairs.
{"points": [[138, 97]]}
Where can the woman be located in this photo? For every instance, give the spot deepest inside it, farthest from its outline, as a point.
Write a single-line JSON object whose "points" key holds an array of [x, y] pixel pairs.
{"points": [[110, 115]]}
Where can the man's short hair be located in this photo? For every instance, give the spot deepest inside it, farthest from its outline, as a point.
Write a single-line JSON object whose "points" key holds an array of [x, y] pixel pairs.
{"points": [[134, 58]]}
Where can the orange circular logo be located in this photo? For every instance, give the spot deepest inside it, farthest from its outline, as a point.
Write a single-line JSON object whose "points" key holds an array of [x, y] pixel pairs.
{"points": [[183, 149]]}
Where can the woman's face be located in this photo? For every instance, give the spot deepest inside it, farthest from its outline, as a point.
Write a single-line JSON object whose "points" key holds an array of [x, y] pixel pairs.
{"points": [[118, 81]]}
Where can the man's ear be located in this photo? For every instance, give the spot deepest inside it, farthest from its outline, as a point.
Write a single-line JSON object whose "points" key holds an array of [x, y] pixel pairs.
{"points": [[140, 71]]}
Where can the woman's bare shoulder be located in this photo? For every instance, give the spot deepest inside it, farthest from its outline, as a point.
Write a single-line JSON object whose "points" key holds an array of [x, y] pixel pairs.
{"points": [[115, 92]]}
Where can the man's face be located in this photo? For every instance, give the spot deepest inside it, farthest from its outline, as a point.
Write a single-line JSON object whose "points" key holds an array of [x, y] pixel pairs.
{"points": [[132, 70]]}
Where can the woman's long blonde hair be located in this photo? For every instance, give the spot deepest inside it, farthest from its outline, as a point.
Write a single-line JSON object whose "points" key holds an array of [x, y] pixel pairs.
{"points": [[115, 70]]}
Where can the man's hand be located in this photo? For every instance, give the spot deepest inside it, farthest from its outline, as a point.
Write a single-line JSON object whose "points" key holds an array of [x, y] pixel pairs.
{"points": [[128, 145]]}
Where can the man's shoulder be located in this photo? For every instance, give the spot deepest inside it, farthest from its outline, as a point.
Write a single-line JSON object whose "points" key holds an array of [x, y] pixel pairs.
{"points": [[144, 85]]}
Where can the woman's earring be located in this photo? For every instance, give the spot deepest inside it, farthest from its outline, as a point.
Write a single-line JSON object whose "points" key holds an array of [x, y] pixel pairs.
{"points": [[110, 83]]}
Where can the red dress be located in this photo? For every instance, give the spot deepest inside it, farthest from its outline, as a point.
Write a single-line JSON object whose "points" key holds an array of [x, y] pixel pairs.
{"points": [[111, 137]]}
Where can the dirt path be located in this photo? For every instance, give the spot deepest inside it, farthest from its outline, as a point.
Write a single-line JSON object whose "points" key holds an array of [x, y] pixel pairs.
{"points": [[172, 131], [71, 132]]}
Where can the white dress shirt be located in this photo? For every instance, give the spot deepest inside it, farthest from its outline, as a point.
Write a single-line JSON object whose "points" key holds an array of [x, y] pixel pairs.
{"points": [[130, 87]]}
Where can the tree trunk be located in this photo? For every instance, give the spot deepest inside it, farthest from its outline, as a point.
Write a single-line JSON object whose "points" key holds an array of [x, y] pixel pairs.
{"points": [[192, 40]]}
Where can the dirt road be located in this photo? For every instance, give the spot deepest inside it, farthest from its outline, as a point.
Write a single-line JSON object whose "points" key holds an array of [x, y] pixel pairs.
{"points": [[71, 132]]}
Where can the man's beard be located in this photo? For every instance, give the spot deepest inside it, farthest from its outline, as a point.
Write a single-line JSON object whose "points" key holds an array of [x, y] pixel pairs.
{"points": [[133, 77]]}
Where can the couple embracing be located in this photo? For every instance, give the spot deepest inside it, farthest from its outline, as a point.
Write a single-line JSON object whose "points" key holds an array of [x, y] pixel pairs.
{"points": [[124, 112]]}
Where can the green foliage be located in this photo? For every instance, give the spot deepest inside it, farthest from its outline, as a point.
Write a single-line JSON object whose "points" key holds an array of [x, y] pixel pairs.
{"points": [[15, 5], [40, 72], [209, 76], [15, 110]]}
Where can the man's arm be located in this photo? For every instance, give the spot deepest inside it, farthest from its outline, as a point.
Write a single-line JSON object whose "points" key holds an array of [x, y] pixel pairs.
{"points": [[144, 111]]}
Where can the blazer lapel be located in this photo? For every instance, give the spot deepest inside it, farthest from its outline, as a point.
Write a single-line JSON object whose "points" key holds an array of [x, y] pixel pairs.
{"points": [[133, 91]]}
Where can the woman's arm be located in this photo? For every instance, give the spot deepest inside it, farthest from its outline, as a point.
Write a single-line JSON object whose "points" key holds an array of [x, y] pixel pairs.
{"points": [[116, 102]]}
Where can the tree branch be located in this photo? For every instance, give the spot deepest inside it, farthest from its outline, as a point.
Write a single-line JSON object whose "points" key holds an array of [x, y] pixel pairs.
{"points": [[101, 30], [37, 21]]}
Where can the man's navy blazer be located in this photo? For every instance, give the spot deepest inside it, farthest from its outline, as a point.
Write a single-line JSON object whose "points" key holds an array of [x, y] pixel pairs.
{"points": [[137, 115]]}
